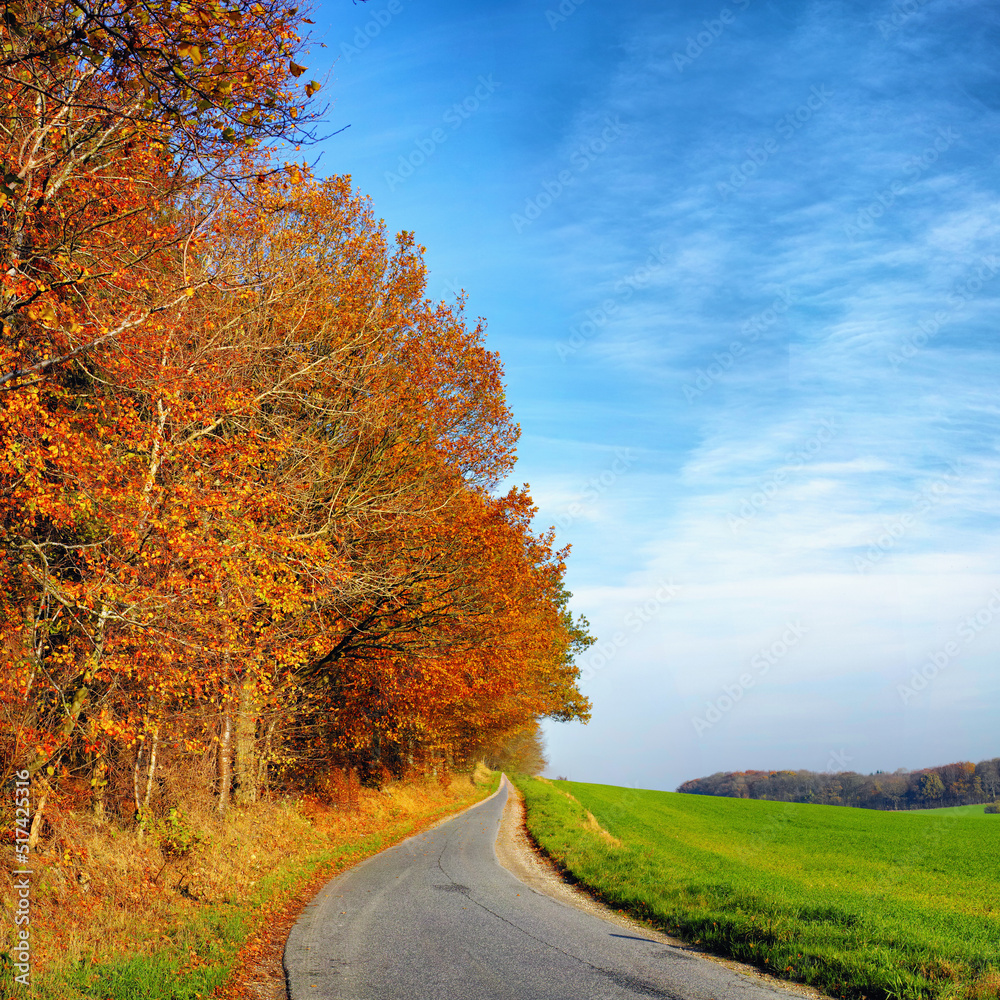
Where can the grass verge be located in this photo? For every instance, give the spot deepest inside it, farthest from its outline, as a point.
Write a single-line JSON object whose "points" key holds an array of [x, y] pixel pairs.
{"points": [[861, 904], [173, 915]]}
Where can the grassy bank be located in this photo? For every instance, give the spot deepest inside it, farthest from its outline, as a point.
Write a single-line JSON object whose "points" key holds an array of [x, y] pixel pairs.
{"points": [[170, 915], [859, 903]]}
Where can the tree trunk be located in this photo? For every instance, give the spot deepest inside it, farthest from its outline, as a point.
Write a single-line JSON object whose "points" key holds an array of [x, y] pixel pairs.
{"points": [[142, 802], [99, 771], [99, 782], [264, 757], [36, 824], [135, 781], [246, 743], [225, 761], [151, 771]]}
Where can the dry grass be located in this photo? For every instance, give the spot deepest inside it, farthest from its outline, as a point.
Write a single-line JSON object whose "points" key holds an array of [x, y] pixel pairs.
{"points": [[986, 987], [102, 894], [590, 823]]}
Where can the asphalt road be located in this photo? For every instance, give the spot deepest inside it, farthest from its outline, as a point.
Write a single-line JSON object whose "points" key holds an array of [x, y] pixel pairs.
{"points": [[437, 918]]}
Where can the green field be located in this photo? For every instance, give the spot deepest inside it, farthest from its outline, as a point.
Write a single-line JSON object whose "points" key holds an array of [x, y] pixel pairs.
{"points": [[856, 902], [958, 811]]}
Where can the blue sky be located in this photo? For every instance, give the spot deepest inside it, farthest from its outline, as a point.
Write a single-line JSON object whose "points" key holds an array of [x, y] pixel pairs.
{"points": [[742, 263]]}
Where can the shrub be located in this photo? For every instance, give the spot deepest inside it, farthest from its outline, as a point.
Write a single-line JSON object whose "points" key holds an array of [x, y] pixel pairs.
{"points": [[175, 834], [993, 807]]}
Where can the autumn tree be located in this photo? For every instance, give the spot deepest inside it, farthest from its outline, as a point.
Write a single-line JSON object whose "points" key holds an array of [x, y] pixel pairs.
{"points": [[121, 120], [116, 111], [521, 751], [248, 471]]}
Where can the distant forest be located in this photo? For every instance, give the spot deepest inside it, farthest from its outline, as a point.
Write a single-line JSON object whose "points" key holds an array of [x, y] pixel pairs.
{"points": [[958, 784]]}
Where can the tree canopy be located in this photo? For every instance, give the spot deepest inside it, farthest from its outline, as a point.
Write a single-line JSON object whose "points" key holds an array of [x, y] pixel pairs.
{"points": [[249, 472], [962, 783]]}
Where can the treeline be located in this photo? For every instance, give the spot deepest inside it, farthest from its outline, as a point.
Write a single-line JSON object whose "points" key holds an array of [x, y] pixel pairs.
{"points": [[249, 521], [948, 785]]}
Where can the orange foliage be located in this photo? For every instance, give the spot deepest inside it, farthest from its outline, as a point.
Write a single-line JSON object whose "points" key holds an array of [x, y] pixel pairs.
{"points": [[247, 469]]}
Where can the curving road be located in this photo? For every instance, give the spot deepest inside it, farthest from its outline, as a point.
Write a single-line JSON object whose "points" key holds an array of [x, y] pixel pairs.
{"points": [[437, 918]]}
